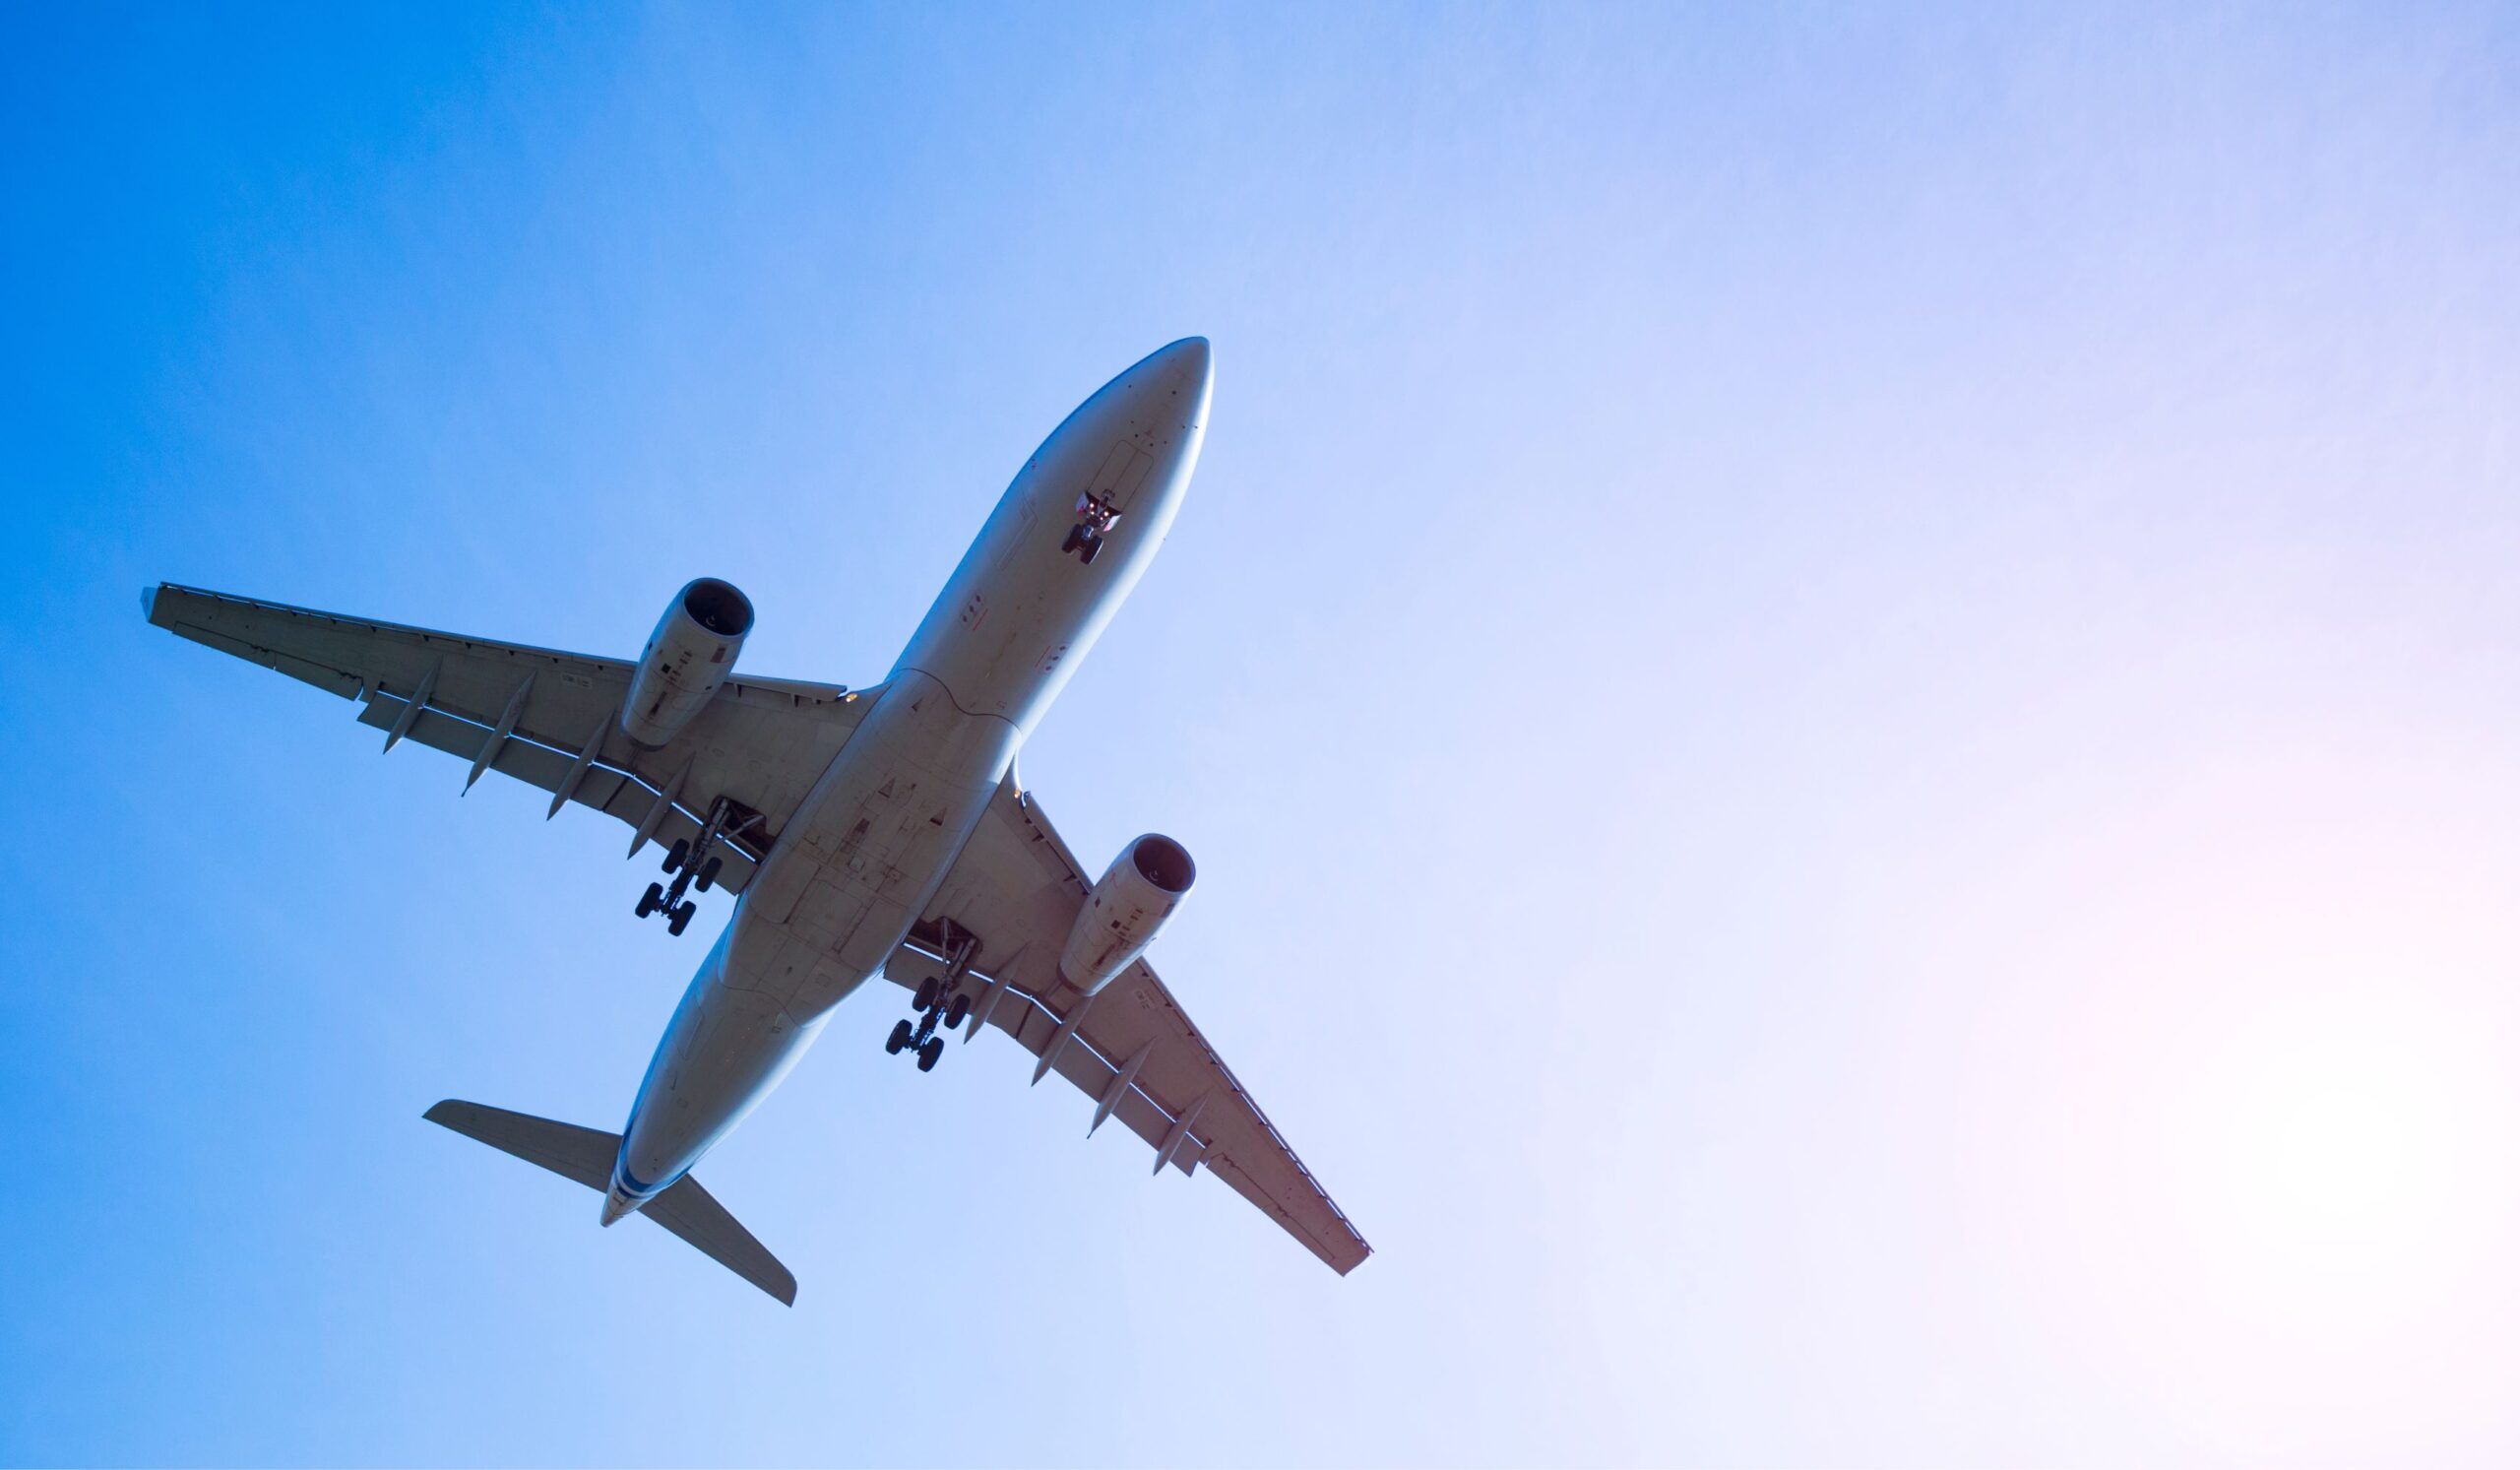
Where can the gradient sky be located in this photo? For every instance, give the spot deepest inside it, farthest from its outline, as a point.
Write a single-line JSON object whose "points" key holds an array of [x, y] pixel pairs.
{"points": [[1843, 678]]}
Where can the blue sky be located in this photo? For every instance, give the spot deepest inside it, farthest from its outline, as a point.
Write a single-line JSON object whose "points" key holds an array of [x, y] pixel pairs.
{"points": [[1842, 677]]}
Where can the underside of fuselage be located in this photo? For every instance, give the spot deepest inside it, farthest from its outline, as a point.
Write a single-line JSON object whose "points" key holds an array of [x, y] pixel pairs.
{"points": [[859, 830], [857, 864]]}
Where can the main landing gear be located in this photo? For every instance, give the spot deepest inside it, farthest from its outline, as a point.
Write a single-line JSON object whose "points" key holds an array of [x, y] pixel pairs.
{"points": [[940, 1002], [693, 864], [1095, 518], [659, 900]]}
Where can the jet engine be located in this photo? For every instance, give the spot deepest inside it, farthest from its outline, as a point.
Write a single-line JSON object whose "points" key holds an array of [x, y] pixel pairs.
{"points": [[687, 658], [1142, 888]]}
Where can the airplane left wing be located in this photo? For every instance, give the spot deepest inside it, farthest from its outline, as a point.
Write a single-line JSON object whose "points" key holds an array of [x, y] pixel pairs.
{"points": [[1017, 890], [544, 717]]}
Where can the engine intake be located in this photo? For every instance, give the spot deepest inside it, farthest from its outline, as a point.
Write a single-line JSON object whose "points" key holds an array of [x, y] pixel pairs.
{"points": [[687, 658], [1139, 891]]}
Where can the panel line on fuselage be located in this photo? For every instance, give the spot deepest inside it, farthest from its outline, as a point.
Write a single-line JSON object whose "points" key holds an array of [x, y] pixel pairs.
{"points": [[855, 866]]}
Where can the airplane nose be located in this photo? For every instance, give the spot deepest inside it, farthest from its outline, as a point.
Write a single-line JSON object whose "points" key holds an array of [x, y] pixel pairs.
{"points": [[1188, 358], [1185, 366], [1172, 383]]}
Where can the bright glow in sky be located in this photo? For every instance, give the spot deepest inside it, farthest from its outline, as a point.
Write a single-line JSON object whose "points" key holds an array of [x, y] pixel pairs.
{"points": [[1843, 682]]}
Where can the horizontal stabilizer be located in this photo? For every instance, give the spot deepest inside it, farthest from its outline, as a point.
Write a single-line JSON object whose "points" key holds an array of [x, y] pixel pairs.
{"points": [[586, 1155], [690, 1212]]}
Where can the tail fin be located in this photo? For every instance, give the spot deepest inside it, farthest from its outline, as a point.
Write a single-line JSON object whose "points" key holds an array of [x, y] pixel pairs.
{"points": [[586, 1155]]}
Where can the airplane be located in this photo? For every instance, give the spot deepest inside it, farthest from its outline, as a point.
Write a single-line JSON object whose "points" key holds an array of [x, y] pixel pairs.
{"points": [[864, 832]]}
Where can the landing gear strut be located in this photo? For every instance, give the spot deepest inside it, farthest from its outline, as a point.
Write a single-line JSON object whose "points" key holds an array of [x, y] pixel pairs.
{"points": [[694, 863], [1095, 518], [939, 1002]]}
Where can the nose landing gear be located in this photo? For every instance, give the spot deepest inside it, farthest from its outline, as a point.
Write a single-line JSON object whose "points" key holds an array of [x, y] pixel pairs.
{"points": [[1095, 518]]}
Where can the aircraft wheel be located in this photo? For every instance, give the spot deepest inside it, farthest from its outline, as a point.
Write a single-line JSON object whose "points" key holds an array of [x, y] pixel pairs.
{"points": [[682, 917], [900, 1038], [1092, 548], [674, 855], [707, 873], [960, 1007], [652, 900], [929, 1054], [925, 1000], [1069, 545]]}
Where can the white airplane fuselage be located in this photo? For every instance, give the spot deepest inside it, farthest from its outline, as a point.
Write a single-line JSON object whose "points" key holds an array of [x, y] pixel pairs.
{"points": [[863, 856]]}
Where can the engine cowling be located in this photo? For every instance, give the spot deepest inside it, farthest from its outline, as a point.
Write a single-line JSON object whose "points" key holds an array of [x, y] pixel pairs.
{"points": [[687, 658], [1140, 890]]}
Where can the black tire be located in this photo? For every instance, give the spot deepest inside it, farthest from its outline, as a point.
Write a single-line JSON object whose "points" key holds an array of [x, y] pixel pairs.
{"points": [[707, 873], [925, 998], [652, 900], [1074, 534], [1092, 548], [929, 1054], [674, 855], [958, 1007], [681, 918], [900, 1038]]}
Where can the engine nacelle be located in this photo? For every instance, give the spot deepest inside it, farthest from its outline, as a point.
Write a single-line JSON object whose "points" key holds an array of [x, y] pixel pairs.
{"points": [[690, 654], [1142, 887]]}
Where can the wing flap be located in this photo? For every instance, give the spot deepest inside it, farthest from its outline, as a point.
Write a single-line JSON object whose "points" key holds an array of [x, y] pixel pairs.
{"points": [[571, 696], [1222, 1135], [1031, 1026], [1342, 1252], [334, 681], [761, 743], [607, 791], [1020, 886]]}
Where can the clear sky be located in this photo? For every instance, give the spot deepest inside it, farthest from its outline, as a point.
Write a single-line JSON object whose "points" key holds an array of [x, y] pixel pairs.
{"points": [[1844, 679]]}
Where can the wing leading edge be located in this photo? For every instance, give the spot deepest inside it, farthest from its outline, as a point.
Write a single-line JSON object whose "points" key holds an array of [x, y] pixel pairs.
{"points": [[1131, 1047], [547, 718], [541, 716]]}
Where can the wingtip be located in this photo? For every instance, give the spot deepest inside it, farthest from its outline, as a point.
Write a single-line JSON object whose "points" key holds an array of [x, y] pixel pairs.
{"points": [[149, 600]]}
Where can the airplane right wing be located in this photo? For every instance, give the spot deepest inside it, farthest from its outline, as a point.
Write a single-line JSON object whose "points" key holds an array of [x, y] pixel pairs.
{"points": [[546, 718], [1130, 1047]]}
